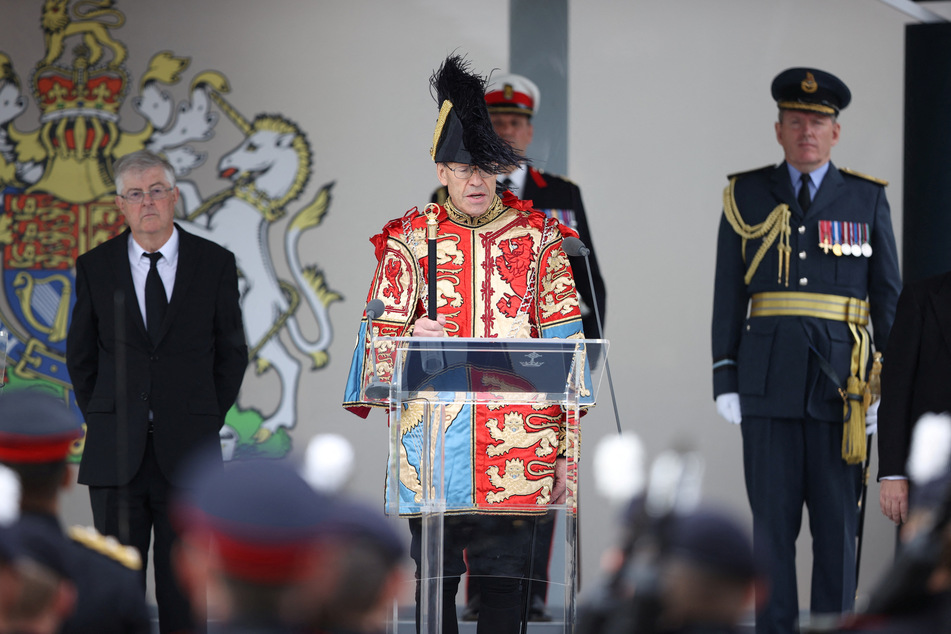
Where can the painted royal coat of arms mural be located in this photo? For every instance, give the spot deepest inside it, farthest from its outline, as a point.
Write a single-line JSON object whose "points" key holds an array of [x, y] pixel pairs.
{"points": [[56, 202]]}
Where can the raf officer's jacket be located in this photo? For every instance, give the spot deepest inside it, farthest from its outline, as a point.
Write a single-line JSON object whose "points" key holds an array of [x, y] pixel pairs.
{"points": [[775, 362]]}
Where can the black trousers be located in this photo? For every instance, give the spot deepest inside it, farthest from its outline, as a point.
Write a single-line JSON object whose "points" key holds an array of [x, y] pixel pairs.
{"points": [[130, 514], [788, 464], [541, 560], [499, 547]]}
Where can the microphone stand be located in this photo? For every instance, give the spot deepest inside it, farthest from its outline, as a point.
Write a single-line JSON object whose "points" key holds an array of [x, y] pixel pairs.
{"points": [[575, 244], [377, 390]]}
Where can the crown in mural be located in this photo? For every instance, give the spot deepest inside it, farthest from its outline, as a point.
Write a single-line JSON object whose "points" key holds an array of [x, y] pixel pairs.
{"points": [[81, 91]]}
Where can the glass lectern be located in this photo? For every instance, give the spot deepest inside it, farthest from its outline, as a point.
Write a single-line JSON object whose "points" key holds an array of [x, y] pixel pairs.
{"points": [[432, 472]]}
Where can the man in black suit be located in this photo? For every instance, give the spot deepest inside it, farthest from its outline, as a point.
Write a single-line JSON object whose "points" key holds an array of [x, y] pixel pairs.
{"points": [[916, 379], [156, 353]]}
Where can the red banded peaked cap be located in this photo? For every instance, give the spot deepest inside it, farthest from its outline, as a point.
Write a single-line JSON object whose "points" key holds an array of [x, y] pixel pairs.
{"points": [[35, 427], [513, 94]]}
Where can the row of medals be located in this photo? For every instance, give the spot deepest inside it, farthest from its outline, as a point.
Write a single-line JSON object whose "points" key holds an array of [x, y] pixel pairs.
{"points": [[844, 238]]}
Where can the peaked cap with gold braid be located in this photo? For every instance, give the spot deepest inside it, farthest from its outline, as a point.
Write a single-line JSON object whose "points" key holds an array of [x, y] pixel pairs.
{"points": [[464, 132], [811, 90]]}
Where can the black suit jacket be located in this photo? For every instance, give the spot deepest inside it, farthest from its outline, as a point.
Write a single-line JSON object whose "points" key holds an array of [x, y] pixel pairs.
{"points": [[189, 379], [547, 191], [916, 372]]}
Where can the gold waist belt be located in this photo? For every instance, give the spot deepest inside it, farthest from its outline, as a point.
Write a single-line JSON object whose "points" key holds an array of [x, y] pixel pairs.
{"points": [[793, 304], [855, 395]]}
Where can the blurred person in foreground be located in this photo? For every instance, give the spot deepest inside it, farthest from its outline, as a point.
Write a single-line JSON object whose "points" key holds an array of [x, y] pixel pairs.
{"points": [[686, 573], [11, 582], [251, 539], [36, 434], [368, 553]]}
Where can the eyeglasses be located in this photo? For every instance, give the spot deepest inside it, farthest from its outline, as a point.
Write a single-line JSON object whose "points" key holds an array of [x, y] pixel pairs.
{"points": [[466, 171], [137, 196]]}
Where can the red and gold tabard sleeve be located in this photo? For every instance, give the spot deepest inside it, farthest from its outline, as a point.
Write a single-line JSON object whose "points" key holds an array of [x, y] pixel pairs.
{"points": [[399, 284]]}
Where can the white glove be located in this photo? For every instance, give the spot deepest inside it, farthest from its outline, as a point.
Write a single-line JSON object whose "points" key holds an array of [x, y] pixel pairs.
{"points": [[871, 418], [728, 406]]}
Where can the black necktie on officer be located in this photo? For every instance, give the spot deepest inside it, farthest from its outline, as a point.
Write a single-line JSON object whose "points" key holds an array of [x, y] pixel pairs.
{"points": [[805, 200], [156, 301]]}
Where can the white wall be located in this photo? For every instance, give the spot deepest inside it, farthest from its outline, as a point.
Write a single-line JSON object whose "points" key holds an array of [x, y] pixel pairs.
{"points": [[666, 98]]}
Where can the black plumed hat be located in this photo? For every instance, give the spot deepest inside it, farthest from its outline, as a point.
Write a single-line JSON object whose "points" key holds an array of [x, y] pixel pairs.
{"points": [[464, 132]]}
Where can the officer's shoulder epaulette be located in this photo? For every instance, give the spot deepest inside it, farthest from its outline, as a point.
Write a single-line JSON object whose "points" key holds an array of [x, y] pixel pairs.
{"points": [[730, 177], [543, 174], [104, 545], [877, 181]]}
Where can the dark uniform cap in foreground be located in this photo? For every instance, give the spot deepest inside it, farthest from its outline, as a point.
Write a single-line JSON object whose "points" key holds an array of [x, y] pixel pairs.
{"points": [[35, 427], [512, 94], [810, 89], [261, 515], [356, 521], [713, 540], [464, 132]]}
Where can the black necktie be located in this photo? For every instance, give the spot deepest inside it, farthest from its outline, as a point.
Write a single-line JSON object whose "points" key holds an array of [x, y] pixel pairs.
{"points": [[805, 201], [156, 302]]}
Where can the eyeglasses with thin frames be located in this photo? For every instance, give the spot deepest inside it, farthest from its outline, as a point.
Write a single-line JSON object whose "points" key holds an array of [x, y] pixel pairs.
{"points": [[466, 171], [137, 196]]}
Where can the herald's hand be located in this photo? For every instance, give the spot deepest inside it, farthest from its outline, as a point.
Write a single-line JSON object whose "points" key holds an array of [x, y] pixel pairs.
{"points": [[425, 327]]}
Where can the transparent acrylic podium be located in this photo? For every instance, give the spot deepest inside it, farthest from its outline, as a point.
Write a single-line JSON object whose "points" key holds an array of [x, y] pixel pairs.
{"points": [[433, 380]]}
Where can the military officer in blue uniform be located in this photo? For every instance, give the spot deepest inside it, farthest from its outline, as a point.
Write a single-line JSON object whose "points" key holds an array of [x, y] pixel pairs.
{"points": [[36, 433], [805, 257]]}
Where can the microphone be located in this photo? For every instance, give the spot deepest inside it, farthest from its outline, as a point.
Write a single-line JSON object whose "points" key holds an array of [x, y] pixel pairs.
{"points": [[375, 308], [377, 390], [573, 246]]}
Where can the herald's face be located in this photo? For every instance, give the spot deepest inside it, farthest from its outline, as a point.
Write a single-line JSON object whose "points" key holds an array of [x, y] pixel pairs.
{"points": [[473, 195]]}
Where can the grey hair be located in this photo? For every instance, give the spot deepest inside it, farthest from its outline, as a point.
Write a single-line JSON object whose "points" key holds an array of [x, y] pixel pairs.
{"points": [[139, 162]]}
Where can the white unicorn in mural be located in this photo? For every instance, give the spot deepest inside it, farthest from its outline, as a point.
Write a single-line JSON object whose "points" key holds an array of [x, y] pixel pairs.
{"points": [[268, 170]]}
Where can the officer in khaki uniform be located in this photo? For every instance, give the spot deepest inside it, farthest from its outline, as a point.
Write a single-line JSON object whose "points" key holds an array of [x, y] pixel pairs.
{"points": [[805, 256]]}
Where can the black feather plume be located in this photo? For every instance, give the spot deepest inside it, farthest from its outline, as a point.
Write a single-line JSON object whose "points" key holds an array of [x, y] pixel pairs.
{"points": [[470, 138]]}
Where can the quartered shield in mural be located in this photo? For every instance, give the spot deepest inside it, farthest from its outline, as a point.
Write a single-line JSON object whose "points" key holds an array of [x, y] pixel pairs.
{"points": [[57, 202]]}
